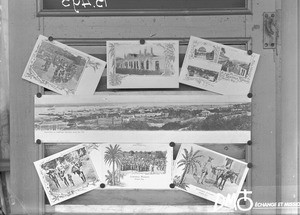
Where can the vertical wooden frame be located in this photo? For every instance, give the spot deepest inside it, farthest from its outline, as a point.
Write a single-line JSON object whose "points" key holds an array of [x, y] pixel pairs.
{"points": [[288, 141], [23, 150]]}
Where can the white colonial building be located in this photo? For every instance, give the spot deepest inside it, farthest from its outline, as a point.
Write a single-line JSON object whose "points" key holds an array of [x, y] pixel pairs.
{"points": [[142, 61]]}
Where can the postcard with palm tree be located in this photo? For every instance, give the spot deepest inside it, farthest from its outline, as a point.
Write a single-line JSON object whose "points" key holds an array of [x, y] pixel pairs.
{"points": [[154, 64], [208, 174], [63, 69], [134, 166], [218, 68], [67, 174]]}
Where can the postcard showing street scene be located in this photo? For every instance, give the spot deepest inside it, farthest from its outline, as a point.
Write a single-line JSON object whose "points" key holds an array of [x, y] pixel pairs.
{"points": [[149, 117], [63, 69], [209, 174], [134, 165], [218, 68], [67, 174], [154, 64]]}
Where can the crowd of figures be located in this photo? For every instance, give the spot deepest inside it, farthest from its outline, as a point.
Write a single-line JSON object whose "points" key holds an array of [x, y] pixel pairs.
{"points": [[59, 62], [64, 172], [63, 72], [143, 162]]}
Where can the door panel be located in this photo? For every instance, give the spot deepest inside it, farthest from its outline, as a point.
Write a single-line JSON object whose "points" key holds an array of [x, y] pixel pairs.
{"points": [[89, 34]]}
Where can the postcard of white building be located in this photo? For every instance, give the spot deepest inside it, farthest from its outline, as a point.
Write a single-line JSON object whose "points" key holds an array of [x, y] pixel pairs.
{"points": [[154, 64]]}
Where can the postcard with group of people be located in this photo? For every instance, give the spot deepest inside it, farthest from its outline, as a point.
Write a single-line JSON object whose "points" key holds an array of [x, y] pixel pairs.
{"points": [[134, 65], [63, 69], [85, 167]]}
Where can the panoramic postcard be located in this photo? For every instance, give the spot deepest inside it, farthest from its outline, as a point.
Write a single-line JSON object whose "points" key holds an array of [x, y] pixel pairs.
{"points": [[209, 174], [218, 68], [154, 64], [63, 69], [90, 118], [67, 174], [133, 165]]}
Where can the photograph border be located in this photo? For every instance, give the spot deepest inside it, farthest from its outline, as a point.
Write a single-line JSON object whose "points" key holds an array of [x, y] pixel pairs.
{"points": [[218, 136], [205, 193], [98, 152], [79, 191], [229, 85], [91, 72], [114, 80]]}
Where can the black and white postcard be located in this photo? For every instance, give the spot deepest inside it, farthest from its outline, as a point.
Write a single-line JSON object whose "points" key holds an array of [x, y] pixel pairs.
{"points": [[133, 165], [67, 174], [218, 68], [209, 174], [154, 118], [154, 64], [63, 69]]}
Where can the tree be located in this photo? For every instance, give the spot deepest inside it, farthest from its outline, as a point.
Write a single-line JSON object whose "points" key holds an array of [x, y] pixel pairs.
{"points": [[113, 156], [189, 162]]}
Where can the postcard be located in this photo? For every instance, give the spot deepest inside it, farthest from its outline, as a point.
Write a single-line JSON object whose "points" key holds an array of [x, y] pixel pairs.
{"points": [[218, 68], [154, 118], [63, 69], [133, 165], [67, 174], [208, 174], [154, 64]]}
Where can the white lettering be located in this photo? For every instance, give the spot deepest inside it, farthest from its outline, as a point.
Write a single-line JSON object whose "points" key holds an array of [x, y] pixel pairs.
{"points": [[76, 4], [64, 3]]}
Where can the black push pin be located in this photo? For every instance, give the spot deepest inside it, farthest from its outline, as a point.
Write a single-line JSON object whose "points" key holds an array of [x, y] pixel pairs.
{"points": [[172, 185], [249, 143], [38, 141], [39, 95], [142, 41], [102, 185], [249, 165], [249, 95], [249, 52], [172, 144], [50, 38]]}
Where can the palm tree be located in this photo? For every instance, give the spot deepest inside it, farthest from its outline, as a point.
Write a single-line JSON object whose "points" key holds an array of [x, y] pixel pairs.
{"points": [[189, 162], [113, 157]]}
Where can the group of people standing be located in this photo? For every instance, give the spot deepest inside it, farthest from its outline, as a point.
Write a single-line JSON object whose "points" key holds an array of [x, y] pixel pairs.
{"points": [[63, 172], [143, 164], [64, 70]]}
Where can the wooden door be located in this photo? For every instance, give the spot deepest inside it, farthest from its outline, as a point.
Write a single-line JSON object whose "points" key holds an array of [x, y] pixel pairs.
{"points": [[239, 28]]}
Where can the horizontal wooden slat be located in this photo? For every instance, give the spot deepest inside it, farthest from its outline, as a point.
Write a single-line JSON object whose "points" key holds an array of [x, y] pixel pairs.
{"points": [[233, 150], [145, 27], [237, 151], [134, 209]]}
